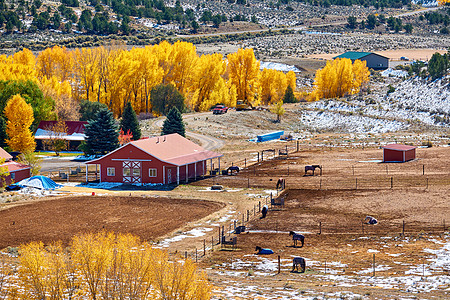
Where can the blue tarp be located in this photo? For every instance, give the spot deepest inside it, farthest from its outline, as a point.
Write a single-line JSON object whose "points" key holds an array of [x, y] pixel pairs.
{"points": [[39, 182], [269, 136]]}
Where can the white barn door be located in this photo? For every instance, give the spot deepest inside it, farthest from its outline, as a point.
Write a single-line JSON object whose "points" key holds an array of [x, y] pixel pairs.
{"points": [[132, 172]]}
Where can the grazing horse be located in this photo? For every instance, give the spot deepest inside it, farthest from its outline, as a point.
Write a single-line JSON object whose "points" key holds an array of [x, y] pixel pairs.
{"points": [[280, 183], [262, 251], [264, 211], [298, 261], [370, 220], [297, 237]]}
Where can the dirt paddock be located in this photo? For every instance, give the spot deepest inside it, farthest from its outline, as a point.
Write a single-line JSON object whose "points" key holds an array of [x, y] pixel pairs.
{"points": [[60, 219]]}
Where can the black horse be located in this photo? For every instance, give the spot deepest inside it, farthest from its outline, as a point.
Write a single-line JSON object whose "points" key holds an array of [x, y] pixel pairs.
{"points": [[297, 237], [298, 261], [264, 211]]}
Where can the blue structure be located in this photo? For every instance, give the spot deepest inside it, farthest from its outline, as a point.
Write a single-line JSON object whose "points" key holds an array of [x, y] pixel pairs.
{"points": [[39, 182], [269, 136]]}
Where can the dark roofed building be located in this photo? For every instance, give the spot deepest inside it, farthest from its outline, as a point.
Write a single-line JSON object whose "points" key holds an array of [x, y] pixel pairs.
{"points": [[373, 60]]}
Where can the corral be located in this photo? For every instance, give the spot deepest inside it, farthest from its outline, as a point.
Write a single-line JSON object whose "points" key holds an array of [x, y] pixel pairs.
{"points": [[60, 219]]}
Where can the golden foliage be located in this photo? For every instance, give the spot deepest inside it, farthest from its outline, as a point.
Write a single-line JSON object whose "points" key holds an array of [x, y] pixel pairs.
{"points": [[243, 72], [278, 109], [340, 77], [443, 2], [106, 266], [19, 116], [115, 76]]}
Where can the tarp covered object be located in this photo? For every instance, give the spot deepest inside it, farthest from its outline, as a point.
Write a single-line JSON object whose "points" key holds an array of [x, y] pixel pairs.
{"points": [[39, 182]]}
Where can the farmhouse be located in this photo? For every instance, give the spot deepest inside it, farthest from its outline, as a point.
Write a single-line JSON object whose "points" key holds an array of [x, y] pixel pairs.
{"points": [[373, 60], [17, 171], [46, 131], [398, 153], [164, 159]]}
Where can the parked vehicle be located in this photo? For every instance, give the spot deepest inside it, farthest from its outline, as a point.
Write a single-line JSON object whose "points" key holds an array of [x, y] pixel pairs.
{"points": [[241, 105], [404, 58], [220, 109]]}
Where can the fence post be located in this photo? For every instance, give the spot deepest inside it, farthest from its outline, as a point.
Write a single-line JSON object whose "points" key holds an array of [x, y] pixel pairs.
{"points": [[427, 183], [245, 162], [403, 228], [248, 182], [297, 145], [279, 264], [259, 206], [320, 227], [185, 254], [320, 185], [356, 183], [392, 182], [374, 265], [423, 169], [196, 256], [288, 171], [219, 235], [204, 247], [248, 215]]}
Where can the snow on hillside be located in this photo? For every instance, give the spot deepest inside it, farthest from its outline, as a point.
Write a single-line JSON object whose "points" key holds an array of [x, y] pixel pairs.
{"points": [[414, 101]]}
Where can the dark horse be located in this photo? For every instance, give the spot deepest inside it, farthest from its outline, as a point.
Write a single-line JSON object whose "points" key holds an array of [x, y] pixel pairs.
{"points": [[298, 261], [280, 183], [297, 237], [264, 211]]}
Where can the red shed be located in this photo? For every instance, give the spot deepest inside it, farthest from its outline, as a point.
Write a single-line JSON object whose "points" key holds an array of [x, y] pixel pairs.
{"points": [[17, 171], [398, 153], [164, 159]]}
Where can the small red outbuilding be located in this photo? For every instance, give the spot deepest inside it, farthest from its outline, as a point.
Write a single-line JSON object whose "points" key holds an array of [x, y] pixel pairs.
{"points": [[17, 171], [160, 160], [398, 153]]}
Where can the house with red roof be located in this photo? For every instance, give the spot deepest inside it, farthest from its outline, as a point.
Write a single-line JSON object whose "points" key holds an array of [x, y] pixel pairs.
{"points": [[17, 171], [74, 135], [398, 153], [159, 160]]}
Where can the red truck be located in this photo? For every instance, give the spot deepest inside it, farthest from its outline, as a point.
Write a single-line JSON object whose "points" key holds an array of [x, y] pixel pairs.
{"points": [[220, 109]]}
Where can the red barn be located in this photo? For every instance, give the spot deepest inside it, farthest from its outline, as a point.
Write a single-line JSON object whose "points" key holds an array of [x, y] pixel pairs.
{"points": [[398, 153], [164, 159], [17, 171]]}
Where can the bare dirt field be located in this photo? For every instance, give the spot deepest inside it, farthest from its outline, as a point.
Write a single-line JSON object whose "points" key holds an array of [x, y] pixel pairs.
{"points": [[60, 219]]}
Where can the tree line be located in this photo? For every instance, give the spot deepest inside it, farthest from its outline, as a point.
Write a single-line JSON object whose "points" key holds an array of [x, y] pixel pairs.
{"points": [[115, 76], [100, 266]]}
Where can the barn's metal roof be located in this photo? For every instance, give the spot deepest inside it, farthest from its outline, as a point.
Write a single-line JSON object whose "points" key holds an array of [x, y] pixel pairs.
{"points": [[172, 148], [398, 147], [356, 55]]}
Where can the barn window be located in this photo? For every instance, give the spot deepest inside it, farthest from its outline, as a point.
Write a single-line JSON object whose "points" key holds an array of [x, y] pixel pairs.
{"points": [[13, 176], [126, 172], [111, 171], [152, 172], [136, 172]]}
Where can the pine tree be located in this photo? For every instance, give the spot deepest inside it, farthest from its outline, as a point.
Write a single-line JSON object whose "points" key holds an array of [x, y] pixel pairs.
{"points": [[289, 95], [173, 123], [102, 134], [130, 122]]}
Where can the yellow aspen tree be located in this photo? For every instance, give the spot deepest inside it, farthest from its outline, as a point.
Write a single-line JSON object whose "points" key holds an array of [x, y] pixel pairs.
{"points": [[291, 80], [86, 70], [20, 66], [152, 75], [55, 61], [338, 78], [360, 75], [443, 2], [243, 73], [273, 86], [19, 116], [206, 80], [163, 52], [183, 59], [278, 109]]}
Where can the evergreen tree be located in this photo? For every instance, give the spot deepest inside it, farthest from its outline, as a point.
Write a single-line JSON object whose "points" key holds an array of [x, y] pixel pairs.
{"points": [[438, 65], [173, 123], [102, 134], [3, 135], [89, 109], [165, 97], [289, 95], [130, 122]]}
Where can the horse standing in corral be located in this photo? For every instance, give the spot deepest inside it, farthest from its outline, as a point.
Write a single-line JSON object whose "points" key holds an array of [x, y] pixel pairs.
{"points": [[264, 211], [298, 261], [297, 237], [280, 183]]}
